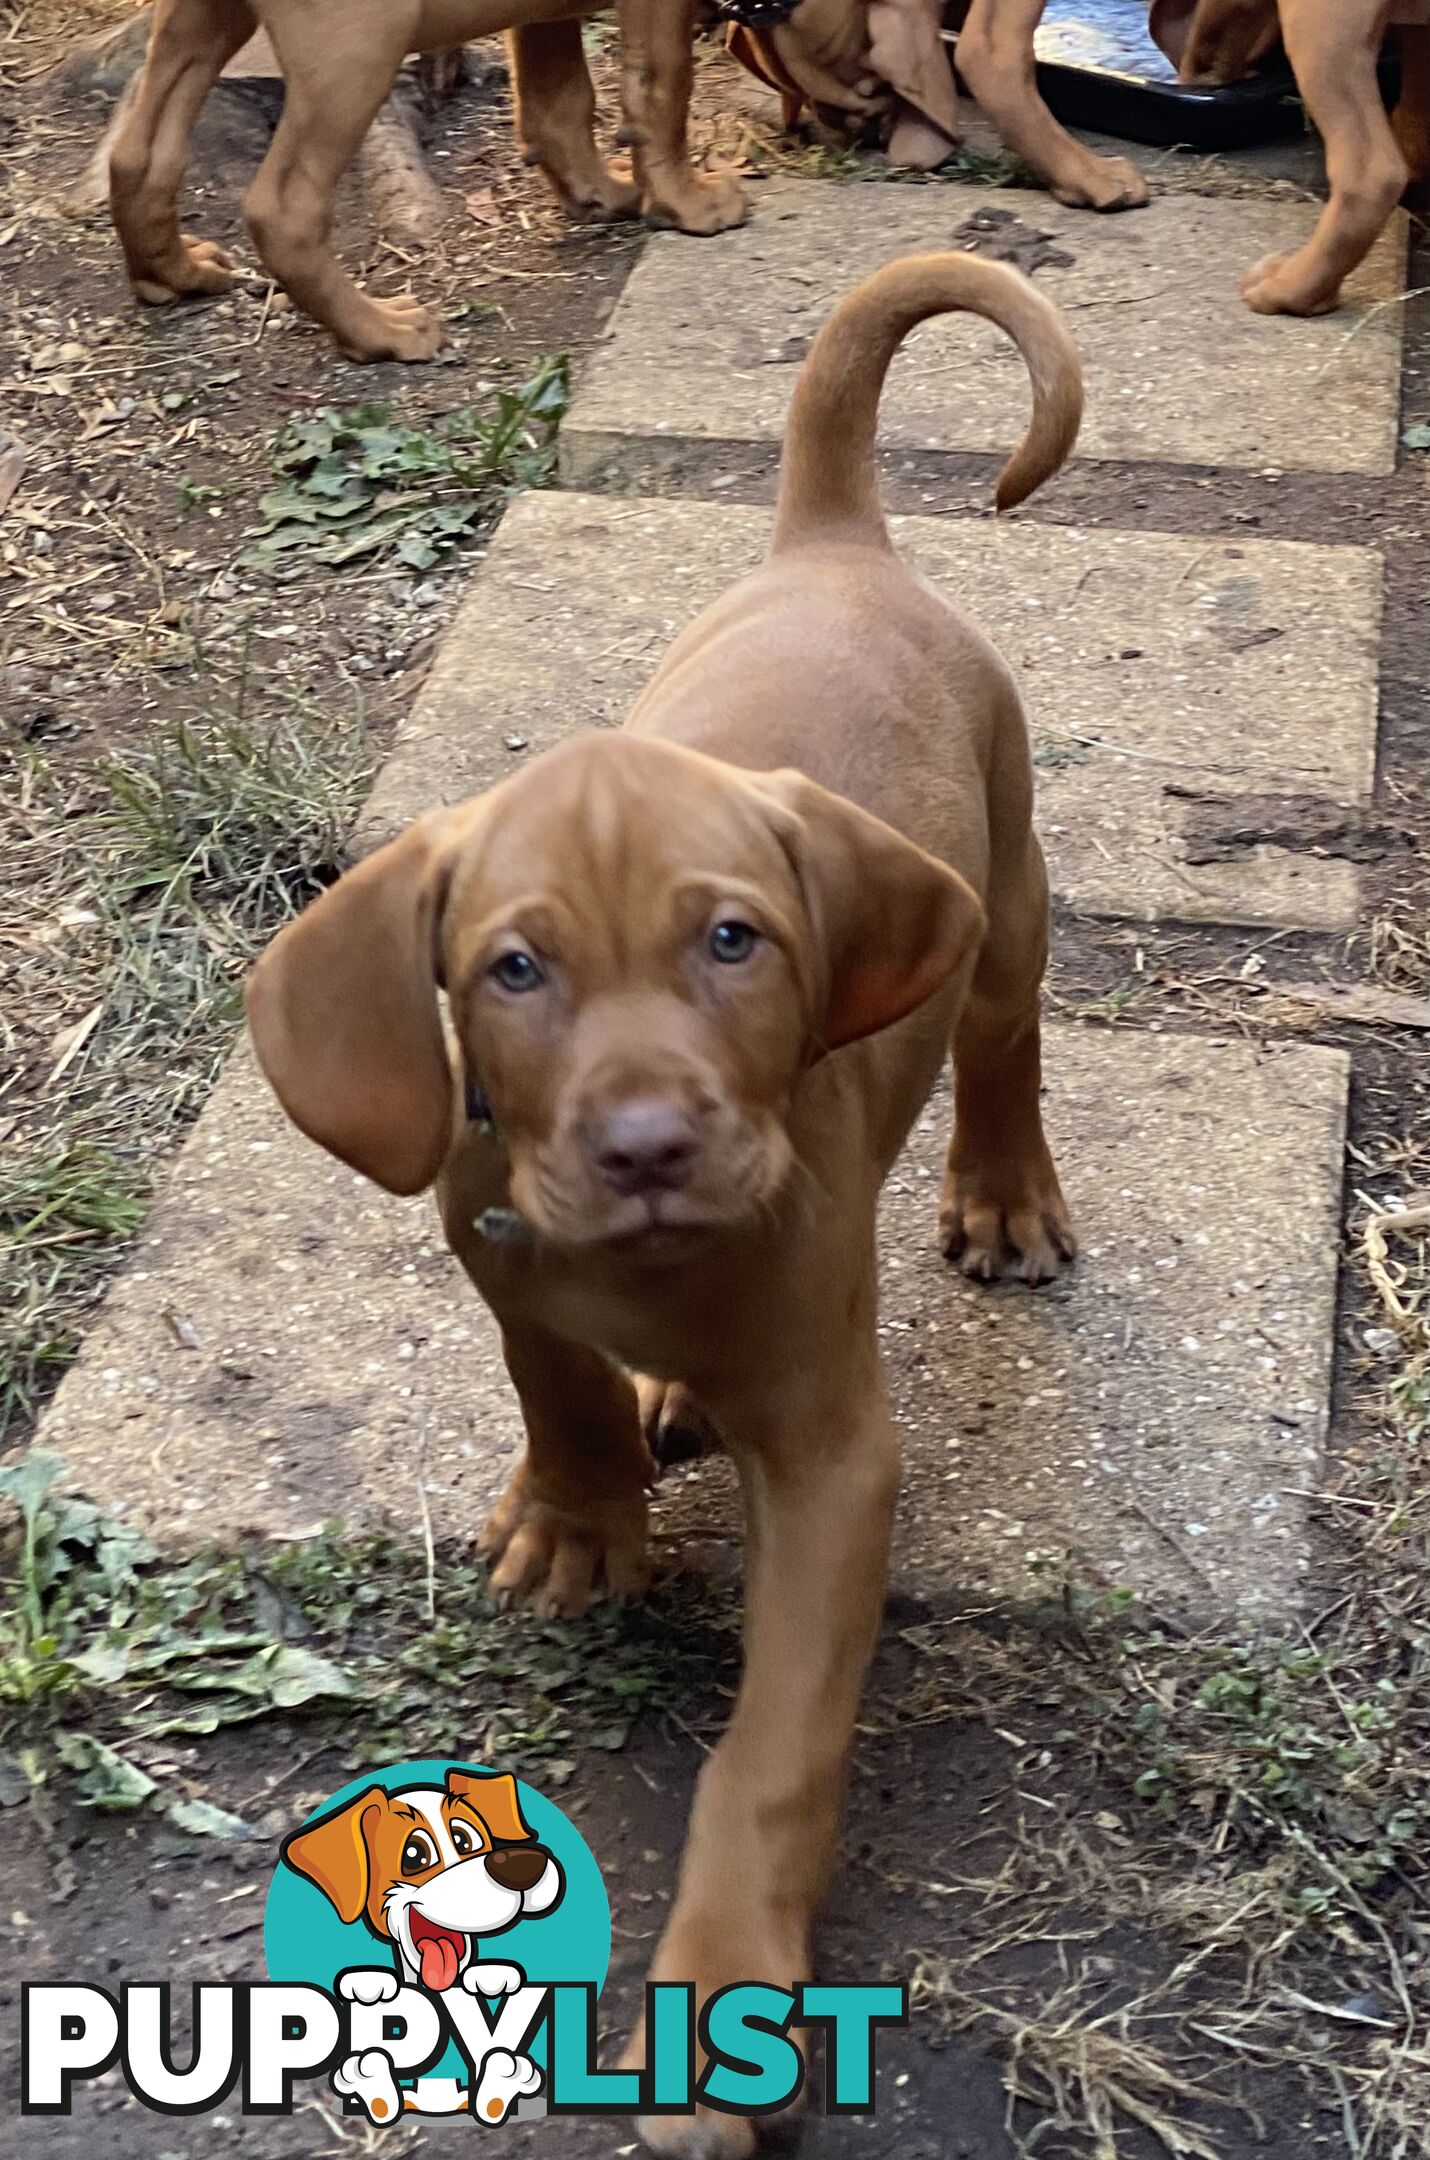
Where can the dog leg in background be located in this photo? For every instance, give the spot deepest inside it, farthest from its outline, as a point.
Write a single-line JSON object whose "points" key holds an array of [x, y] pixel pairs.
{"points": [[189, 45], [1334, 53], [555, 120], [1002, 1212], [820, 1475], [994, 56], [338, 65], [571, 1525], [657, 74], [1410, 121]]}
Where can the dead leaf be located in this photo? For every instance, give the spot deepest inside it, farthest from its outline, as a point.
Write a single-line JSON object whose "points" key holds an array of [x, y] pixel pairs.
{"points": [[12, 472], [68, 1044], [481, 205]]}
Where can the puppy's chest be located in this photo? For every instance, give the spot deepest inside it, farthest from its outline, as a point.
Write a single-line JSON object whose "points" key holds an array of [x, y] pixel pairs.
{"points": [[667, 1321]]}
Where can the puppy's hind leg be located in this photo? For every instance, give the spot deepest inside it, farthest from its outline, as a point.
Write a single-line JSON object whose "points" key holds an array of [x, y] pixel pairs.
{"points": [[339, 62], [555, 116], [1003, 1213], [188, 46]]}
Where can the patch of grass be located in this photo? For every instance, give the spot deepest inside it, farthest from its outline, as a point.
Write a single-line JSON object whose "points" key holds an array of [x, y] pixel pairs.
{"points": [[359, 485], [1400, 950], [149, 884], [106, 1655], [1255, 1811]]}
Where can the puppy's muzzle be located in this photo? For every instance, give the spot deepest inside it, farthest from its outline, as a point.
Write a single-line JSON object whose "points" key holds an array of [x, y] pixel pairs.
{"points": [[516, 1867], [647, 1145]]}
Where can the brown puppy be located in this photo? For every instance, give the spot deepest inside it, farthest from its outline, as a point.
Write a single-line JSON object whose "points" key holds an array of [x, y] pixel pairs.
{"points": [[1333, 51], [702, 974], [1333, 47], [339, 60]]}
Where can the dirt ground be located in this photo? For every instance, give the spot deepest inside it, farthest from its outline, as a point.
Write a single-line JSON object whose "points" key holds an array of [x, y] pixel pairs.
{"points": [[1098, 1969]]}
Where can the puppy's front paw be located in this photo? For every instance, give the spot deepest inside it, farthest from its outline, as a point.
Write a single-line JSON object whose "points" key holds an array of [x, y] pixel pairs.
{"points": [[560, 1561], [699, 203], [1014, 1228], [493, 1979], [1285, 285], [506, 2078], [362, 1986], [368, 2079], [1103, 183]]}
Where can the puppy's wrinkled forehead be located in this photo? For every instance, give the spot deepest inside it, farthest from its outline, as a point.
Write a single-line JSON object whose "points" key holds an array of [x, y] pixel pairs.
{"points": [[597, 835]]}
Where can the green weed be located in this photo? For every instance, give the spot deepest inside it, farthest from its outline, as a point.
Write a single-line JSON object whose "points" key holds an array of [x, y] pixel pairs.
{"points": [[105, 1653], [359, 486]]}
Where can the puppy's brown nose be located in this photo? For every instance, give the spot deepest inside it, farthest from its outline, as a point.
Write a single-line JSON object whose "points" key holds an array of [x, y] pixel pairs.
{"points": [[644, 1146], [518, 1867]]}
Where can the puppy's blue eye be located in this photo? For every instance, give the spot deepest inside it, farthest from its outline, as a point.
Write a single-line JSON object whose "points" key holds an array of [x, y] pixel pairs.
{"points": [[517, 971], [733, 941]]}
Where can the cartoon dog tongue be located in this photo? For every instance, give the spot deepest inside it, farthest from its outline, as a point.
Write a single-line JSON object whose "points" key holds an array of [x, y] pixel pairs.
{"points": [[439, 1953]]}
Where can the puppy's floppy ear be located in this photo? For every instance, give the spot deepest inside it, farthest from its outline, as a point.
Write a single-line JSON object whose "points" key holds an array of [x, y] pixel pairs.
{"points": [[891, 923], [495, 1800], [342, 1008], [333, 1853]]}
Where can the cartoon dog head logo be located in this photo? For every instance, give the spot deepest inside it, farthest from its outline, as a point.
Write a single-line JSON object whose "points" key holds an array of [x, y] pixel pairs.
{"points": [[432, 1870]]}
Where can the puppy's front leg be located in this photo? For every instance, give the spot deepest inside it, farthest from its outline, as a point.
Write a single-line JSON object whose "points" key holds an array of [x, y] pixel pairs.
{"points": [[1333, 54], [571, 1524], [658, 72], [820, 1477], [995, 58], [555, 119]]}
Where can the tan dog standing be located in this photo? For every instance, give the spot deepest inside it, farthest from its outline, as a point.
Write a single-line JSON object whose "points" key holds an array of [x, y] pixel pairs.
{"points": [[703, 973], [339, 60], [829, 47]]}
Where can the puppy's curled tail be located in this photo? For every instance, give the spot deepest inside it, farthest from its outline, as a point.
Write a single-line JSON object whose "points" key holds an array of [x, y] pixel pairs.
{"points": [[829, 480]]}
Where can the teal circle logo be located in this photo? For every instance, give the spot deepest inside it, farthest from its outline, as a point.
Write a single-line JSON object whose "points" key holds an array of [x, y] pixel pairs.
{"points": [[440, 1880]]}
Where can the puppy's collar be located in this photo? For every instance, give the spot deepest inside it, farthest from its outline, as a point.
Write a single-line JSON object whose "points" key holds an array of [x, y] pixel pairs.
{"points": [[498, 1225], [755, 14], [479, 1110]]}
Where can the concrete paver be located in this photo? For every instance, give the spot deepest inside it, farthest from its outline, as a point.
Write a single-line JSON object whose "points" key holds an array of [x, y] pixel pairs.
{"points": [[1177, 368], [1157, 669], [1157, 1413]]}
